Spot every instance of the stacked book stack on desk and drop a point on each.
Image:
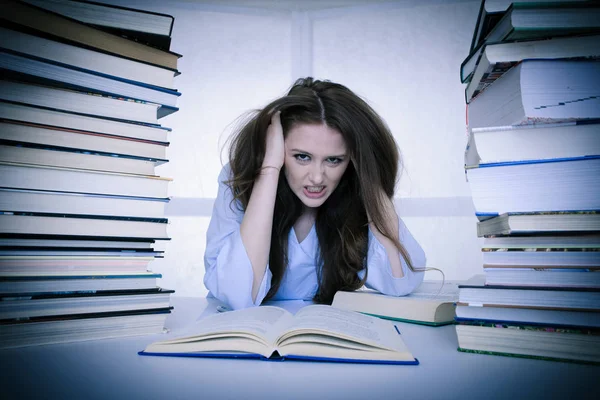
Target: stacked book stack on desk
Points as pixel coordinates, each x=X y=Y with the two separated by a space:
x=533 y=165
x=83 y=87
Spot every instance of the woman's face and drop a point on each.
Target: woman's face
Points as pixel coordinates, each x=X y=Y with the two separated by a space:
x=315 y=161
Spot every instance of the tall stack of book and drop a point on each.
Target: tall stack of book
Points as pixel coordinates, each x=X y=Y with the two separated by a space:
x=82 y=88
x=533 y=165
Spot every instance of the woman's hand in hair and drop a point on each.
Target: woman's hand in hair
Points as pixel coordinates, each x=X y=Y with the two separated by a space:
x=275 y=148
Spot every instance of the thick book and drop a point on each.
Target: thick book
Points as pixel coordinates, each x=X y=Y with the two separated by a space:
x=490 y=13
x=38 y=70
x=572 y=344
x=432 y=303
x=517 y=315
x=543 y=277
x=35 y=136
x=536 y=223
x=27 y=43
x=82 y=327
x=549 y=258
x=79 y=102
x=84 y=35
x=21 y=224
x=54 y=202
x=150 y=28
x=533 y=142
x=536 y=186
x=491 y=61
x=476 y=294
x=538 y=20
x=315 y=333
x=27 y=153
x=73 y=265
x=52 y=119
x=35 y=305
x=533 y=242
x=110 y=244
x=570 y=93
x=76 y=283
x=38 y=177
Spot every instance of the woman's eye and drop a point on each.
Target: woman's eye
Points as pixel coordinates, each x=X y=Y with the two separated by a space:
x=334 y=160
x=302 y=157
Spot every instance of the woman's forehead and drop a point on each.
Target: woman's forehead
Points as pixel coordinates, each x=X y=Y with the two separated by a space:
x=315 y=138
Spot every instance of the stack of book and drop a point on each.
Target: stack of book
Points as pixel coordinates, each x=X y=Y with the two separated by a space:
x=533 y=165
x=82 y=88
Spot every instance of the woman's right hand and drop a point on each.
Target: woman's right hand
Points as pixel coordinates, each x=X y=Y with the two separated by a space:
x=275 y=148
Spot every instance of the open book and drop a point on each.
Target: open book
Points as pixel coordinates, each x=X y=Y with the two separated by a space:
x=432 y=303
x=316 y=332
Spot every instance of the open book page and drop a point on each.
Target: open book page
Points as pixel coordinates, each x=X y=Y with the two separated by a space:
x=324 y=331
x=251 y=330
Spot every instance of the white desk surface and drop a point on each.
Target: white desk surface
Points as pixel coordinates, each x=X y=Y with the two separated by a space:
x=112 y=369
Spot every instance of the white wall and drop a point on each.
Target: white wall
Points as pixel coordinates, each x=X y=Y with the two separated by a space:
x=403 y=57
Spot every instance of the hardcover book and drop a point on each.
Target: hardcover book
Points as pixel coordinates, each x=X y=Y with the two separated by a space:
x=432 y=303
x=573 y=344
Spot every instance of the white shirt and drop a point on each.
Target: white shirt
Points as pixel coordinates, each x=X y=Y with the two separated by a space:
x=229 y=272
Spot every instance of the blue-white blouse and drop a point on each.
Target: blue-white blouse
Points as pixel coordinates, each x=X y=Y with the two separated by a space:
x=229 y=273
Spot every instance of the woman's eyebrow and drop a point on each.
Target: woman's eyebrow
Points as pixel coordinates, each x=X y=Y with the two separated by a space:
x=295 y=150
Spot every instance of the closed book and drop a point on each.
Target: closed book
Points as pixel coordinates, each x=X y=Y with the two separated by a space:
x=315 y=333
x=37 y=177
x=540 y=19
x=571 y=344
x=31 y=305
x=589 y=319
x=589 y=241
x=34 y=69
x=15 y=266
x=570 y=94
x=55 y=202
x=70 y=283
x=82 y=142
x=581 y=258
x=432 y=303
x=78 y=102
x=15 y=152
x=151 y=28
x=87 y=59
x=80 y=226
x=84 y=35
x=477 y=294
x=540 y=185
x=543 y=277
x=534 y=142
x=491 y=12
x=113 y=244
x=536 y=223
x=492 y=60
x=82 y=327
x=55 y=119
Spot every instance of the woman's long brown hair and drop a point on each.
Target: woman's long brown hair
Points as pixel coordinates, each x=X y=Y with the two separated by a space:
x=341 y=222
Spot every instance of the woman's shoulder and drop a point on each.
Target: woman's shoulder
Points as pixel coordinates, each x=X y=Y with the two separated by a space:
x=225 y=173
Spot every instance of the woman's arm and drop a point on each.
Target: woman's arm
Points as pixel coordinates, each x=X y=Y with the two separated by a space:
x=229 y=275
x=391 y=220
x=258 y=220
x=388 y=272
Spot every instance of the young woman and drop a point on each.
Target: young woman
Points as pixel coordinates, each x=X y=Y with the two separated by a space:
x=305 y=204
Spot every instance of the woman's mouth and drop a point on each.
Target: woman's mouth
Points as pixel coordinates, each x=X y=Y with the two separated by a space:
x=314 y=192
